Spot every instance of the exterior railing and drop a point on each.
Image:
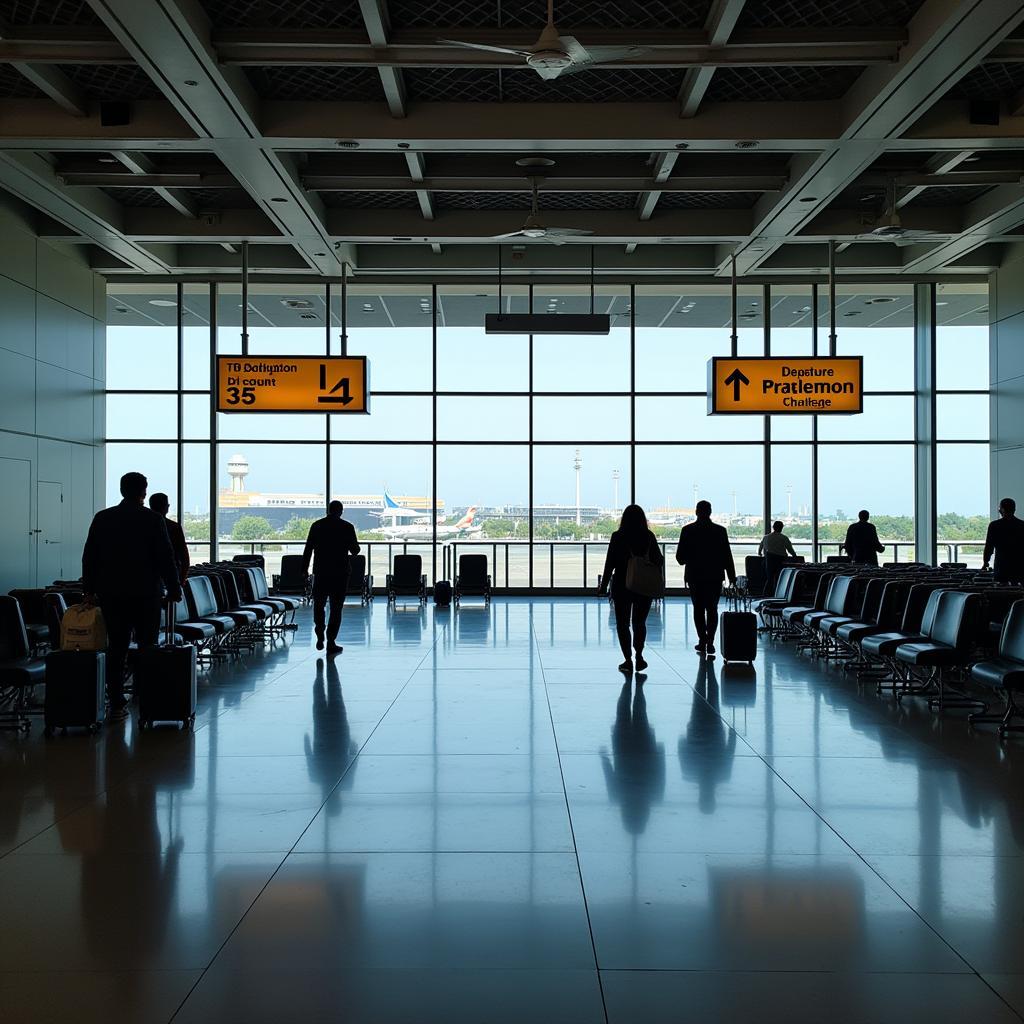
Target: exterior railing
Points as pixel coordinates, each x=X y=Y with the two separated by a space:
x=557 y=565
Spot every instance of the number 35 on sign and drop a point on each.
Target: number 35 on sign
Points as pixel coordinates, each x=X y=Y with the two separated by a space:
x=293 y=384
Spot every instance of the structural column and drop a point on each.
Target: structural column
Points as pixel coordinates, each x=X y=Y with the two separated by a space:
x=924 y=424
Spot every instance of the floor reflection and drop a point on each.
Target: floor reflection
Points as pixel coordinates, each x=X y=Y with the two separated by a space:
x=332 y=749
x=635 y=773
x=707 y=748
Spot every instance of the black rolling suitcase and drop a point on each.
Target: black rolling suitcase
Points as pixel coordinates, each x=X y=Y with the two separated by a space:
x=75 y=690
x=442 y=593
x=165 y=681
x=738 y=631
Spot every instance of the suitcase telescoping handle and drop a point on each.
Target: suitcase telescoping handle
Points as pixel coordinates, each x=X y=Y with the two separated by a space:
x=169 y=635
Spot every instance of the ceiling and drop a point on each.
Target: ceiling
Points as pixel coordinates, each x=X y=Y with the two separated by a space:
x=322 y=133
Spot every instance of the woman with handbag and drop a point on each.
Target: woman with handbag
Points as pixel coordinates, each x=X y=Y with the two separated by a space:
x=634 y=568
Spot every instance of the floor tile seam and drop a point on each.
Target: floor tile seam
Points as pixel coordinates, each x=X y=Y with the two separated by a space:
x=572 y=830
x=263 y=888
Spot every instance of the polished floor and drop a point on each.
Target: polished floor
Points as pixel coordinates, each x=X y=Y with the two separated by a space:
x=467 y=817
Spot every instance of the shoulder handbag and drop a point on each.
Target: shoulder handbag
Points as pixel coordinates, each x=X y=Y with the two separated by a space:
x=645 y=576
x=82 y=629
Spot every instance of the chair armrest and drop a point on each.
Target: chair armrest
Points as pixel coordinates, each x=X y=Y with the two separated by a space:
x=388 y=579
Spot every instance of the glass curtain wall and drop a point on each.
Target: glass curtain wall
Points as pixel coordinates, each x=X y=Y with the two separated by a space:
x=527 y=448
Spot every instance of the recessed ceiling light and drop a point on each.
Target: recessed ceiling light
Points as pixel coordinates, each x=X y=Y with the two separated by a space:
x=162 y=302
x=120 y=309
x=941 y=303
x=403 y=145
x=319 y=254
x=855 y=312
x=191 y=81
x=747 y=144
x=402 y=238
x=682 y=145
x=278 y=199
x=808 y=199
x=535 y=161
x=347 y=144
x=883 y=298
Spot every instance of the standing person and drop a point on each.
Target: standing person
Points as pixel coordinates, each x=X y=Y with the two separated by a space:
x=862 y=543
x=704 y=551
x=774 y=548
x=1005 y=539
x=331 y=540
x=161 y=505
x=126 y=565
x=633 y=537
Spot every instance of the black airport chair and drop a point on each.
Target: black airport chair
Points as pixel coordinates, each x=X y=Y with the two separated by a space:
x=33 y=612
x=19 y=671
x=56 y=606
x=407 y=579
x=359 y=583
x=292 y=581
x=1005 y=672
x=472 y=579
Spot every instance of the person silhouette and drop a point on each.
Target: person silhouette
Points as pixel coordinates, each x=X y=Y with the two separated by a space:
x=161 y=505
x=1005 y=540
x=329 y=543
x=775 y=548
x=707 y=750
x=127 y=564
x=862 y=543
x=635 y=773
x=633 y=537
x=705 y=553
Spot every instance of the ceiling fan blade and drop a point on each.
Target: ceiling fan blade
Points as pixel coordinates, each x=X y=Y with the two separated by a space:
x=567 y=232
x=610 y=54
x=484 y=46
x=509 y=234
x=578 y=53
x=550 y=74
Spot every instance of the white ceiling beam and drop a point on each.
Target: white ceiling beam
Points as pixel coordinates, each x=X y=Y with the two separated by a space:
x=661 y=169
x=378 y=28
x=55 y=84
x=88 y=212
x=417 y=170
x=721 y=21
x=171 y=42
x=946 y=39
x=940 y=164
x=139 y=165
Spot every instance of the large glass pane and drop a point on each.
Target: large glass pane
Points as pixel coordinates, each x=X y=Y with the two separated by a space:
x=876 y=322
x=392 y=328
x=258 y=426
x=157 y=462
x=370 y=480
x=581 y=419
x=196 y=416
x=582 y=362
x=676 y=334
x=487 y=418
x=879 y=478
x=962 y=417
x=262 y=489
x=962 y=337
x=486 y=495
x=195 y=500
x=671 y=479
x=963 y=501
x=196 y=336
x=142 y=337
x=467 y=358
x=791 y=494
x=391 y=418
x=142 y=416
x=885 y=418
x=792 y=320
x=661 y=418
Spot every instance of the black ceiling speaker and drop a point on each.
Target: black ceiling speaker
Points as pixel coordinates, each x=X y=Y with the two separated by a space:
x=115 y=114
x=984 y=112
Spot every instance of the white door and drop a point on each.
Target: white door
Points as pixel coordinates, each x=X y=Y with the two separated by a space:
x=15 y=524
x=50 y=538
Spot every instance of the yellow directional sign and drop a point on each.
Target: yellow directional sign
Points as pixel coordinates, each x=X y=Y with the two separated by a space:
x=779 y=385
x=292 y=384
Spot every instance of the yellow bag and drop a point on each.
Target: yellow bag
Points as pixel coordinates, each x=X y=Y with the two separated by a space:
x=83 y=629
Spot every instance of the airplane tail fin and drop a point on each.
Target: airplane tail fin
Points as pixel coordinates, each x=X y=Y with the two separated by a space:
x=467 y=519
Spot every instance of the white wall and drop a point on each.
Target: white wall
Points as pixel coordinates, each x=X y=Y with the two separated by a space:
x=52 y=348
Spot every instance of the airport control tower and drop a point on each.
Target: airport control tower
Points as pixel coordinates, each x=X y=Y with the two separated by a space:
x=238 y=470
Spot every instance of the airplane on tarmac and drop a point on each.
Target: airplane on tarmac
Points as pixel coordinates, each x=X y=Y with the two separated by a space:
x=464 y=529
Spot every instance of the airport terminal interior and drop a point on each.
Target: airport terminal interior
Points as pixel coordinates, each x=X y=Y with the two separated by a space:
x=491 y=275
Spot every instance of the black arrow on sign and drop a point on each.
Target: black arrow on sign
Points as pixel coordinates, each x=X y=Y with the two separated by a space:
x=737 y=380
x=331 y=398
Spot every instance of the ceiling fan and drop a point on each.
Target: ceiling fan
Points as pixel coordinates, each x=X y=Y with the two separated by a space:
x=535 y=228
x=553 y=55
x=889 y=227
